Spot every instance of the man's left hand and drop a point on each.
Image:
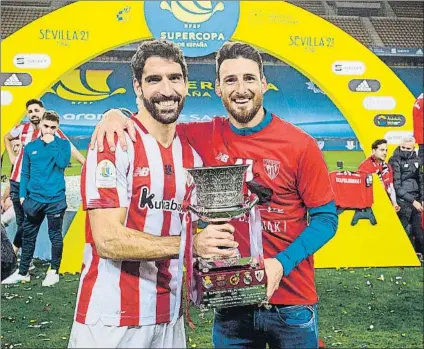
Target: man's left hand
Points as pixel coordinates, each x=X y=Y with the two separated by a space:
x=48 y=138
x=274 y=273
x=397 y=207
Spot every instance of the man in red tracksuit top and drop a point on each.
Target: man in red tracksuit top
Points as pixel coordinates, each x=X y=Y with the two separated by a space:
x=288 y=171
x=376 y=164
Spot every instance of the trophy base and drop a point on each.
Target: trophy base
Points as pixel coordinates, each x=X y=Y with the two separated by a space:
x=229 y=287
x=206 y=265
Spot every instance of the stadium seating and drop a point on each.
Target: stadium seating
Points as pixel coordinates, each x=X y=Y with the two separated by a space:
x=37 y=3
x=399 y=32
x=14 y=18
x=410 y=9
x=312 y=6
x=353 y=26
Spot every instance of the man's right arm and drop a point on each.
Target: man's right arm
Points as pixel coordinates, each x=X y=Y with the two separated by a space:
x=8 y=138
x=115 y=241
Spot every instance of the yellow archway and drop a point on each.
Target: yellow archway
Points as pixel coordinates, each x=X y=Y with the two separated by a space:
x=64 y=39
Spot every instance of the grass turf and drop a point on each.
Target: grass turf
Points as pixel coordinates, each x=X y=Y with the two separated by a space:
x=356 y=310
x=351 y=160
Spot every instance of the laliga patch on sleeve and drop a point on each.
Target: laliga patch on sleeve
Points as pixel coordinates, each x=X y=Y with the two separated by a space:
x=106 y=174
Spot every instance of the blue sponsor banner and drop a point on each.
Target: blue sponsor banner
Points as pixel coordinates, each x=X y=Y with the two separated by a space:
x=84 y=94
x=398 y=51
x=347 y=144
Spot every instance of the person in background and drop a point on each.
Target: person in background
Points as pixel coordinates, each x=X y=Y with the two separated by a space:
x=26 y=132
x=408 y=183
x=376 y=163
x=418 y=117
x=7 y=210
x=42 y=193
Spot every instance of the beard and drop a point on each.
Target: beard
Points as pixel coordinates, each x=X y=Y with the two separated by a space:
x=243 y=114
x=35 y=120
x=164 y=115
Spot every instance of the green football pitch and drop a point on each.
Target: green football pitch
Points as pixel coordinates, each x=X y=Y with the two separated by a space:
x=351 y=160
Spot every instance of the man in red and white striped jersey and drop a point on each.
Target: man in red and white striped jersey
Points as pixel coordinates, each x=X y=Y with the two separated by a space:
x=26 y=132
x=130 y=285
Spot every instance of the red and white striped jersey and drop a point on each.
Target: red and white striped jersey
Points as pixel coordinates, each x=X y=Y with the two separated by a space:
x=26 y=132
x=150 y=181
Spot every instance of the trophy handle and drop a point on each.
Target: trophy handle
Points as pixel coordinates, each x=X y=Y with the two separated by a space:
x=251 y=204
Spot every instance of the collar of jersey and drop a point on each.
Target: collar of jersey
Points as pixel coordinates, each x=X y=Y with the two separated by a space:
x=252 y=130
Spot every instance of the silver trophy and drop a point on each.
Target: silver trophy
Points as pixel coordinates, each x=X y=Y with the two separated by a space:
x=219 y=193
x=225 y=281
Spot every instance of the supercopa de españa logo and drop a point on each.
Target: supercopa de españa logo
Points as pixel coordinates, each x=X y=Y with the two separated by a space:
x=198 y=27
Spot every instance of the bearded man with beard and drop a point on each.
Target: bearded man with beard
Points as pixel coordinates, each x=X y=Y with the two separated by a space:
x=131 y=282
x=288 y=171
x=27 y=132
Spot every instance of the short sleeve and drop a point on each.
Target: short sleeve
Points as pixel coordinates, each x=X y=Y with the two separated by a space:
x=16 y=131
x=313 y=180
x=104 y=178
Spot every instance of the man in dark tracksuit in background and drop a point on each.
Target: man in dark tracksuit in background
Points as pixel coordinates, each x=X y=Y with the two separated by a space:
x=42 y=193
x=408 y=183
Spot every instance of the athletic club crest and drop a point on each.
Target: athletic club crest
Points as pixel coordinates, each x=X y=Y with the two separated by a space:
x=259 y=275
x=272 y=168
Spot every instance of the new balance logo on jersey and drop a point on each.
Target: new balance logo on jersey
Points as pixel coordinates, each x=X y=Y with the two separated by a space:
x=147 y=201
x=168 y=170
x=363 y=87
x=141 y=172
x=222 y=157
x=13 y=80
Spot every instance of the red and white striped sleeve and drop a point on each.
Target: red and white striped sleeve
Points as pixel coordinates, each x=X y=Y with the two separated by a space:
x=191 y=189
x=104 y=182
x=17 y=130
x=60 y=134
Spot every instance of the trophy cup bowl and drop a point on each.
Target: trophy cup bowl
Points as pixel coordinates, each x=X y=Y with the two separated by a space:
x=220 y=193
x=220 y=281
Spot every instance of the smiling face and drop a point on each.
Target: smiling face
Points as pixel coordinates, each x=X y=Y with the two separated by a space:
x=162 y=89
x=35 y=113
x=241 y=88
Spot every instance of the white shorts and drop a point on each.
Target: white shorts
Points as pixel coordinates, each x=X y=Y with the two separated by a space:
x=153 y=336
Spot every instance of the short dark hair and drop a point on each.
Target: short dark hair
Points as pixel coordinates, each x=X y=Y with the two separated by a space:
x=50 y=115
x=157 y=48
x=377 y=143
x=34 y=101
x=233 y=50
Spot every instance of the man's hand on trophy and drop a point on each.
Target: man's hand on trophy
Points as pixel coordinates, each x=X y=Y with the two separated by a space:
x=114 y=121
x=206 y=243
x=274 y=273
